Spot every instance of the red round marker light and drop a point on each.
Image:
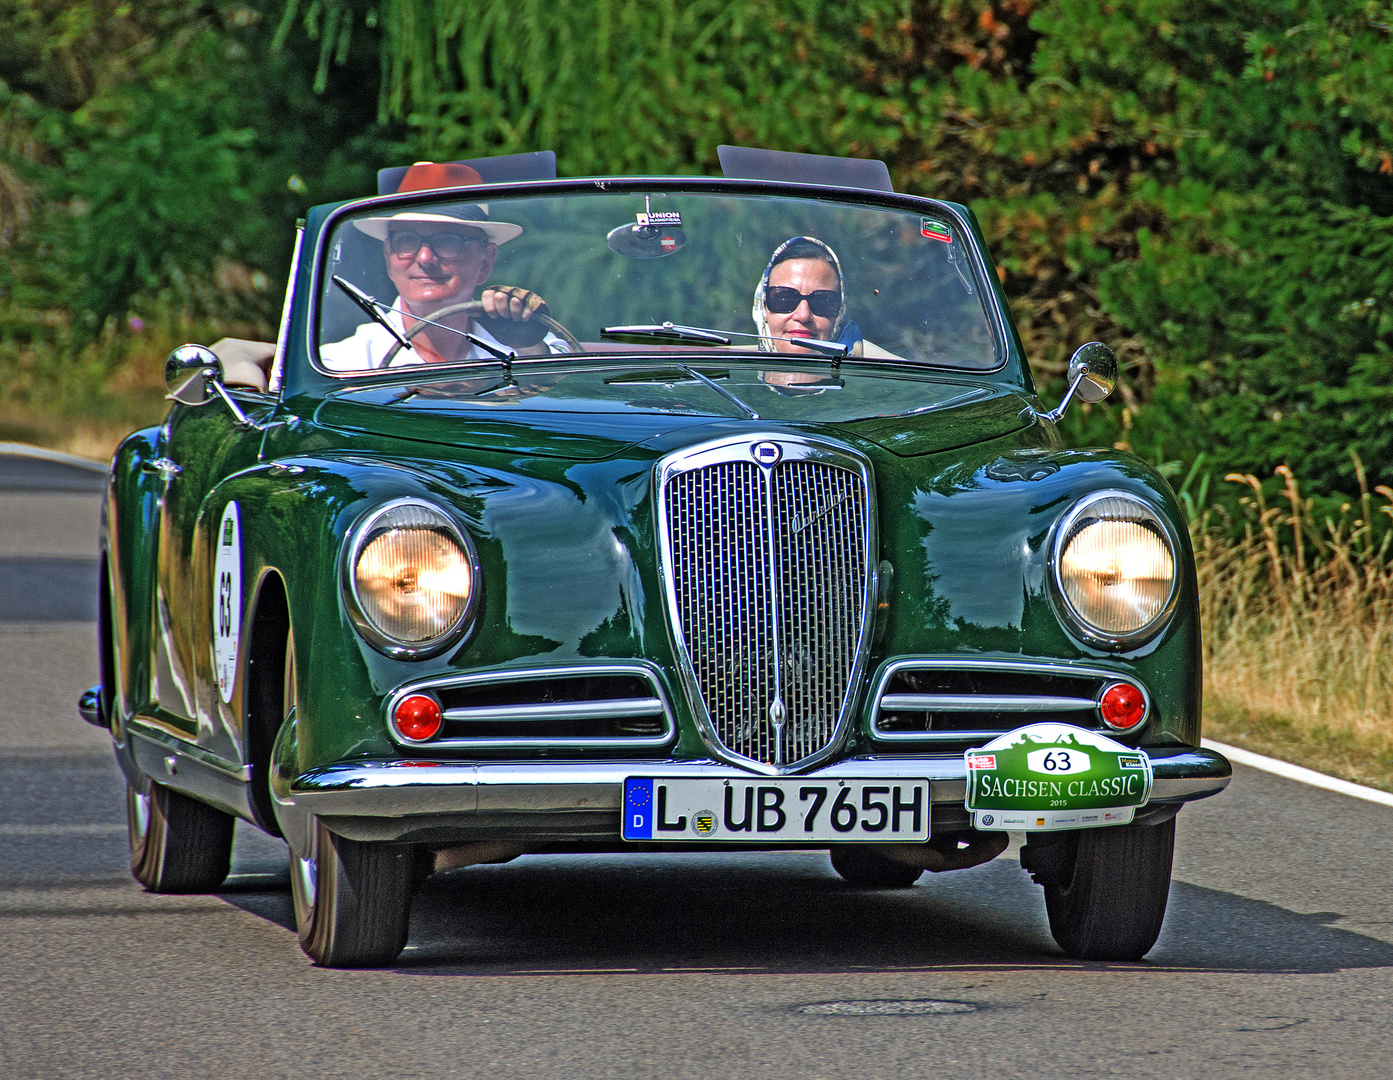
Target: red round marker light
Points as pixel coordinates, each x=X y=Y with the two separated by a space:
x=418 y=717
x=1122 y=706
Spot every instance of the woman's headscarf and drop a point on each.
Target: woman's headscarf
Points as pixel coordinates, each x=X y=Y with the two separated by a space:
x=843 y=329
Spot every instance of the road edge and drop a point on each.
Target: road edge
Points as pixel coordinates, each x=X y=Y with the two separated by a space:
x=1296 y=772
x=19 y=449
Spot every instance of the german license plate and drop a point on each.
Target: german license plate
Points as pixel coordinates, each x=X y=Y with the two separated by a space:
x=769 y=809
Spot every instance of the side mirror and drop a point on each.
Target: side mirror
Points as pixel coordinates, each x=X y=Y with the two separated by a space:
x=1092 y=376
x=192 y=374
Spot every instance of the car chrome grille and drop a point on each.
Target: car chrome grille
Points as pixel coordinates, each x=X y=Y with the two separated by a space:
x=959 y=702
x=768 y=573
x=603 y=707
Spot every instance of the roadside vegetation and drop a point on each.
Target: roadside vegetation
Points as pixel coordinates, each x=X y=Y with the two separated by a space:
x=1298 y=614
x=1207 y=186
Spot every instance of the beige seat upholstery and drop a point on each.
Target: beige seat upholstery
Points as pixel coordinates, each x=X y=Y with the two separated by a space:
x=245 y=364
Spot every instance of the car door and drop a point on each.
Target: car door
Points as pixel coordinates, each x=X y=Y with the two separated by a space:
x=199 y=447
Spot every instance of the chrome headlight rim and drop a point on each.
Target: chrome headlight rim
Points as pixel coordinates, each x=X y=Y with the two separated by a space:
x=1070 y=616
x=357 y=538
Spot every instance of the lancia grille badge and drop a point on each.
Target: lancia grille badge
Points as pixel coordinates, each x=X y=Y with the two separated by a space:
x=766 y=453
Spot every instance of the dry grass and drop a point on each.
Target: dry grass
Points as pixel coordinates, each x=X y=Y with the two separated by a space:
x=1297 y=618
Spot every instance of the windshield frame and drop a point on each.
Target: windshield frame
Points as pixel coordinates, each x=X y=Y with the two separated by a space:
x=1004 y=339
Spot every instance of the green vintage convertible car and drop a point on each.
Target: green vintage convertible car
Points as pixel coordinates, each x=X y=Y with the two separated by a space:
x=645 y=514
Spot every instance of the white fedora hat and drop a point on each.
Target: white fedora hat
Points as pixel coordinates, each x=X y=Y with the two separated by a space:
x=430 y=176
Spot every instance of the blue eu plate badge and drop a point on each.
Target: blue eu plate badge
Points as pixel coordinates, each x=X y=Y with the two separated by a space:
x=638 y=808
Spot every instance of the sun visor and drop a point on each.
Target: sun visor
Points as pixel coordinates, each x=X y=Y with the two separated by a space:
x=506 y=169
x=749 y=163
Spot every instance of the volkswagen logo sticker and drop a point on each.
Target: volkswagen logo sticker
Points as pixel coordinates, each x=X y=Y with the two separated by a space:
x=766 y=453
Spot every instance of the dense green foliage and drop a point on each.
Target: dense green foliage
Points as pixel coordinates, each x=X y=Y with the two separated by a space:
x=153 y=158
x=1207 y=186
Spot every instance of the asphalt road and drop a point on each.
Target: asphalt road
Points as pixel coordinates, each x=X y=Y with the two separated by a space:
x=1276 y=958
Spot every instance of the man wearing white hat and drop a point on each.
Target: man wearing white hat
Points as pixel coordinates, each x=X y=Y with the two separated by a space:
x=436 y=257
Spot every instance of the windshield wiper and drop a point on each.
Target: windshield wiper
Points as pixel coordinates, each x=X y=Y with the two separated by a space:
x=370 y=305
x=694 y=373
x=696 y=335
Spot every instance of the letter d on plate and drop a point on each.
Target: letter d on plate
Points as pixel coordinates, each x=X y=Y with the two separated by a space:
x=638 y=808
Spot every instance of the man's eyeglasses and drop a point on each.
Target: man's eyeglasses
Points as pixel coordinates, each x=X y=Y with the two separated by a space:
x=782 y=300
x=444 y=245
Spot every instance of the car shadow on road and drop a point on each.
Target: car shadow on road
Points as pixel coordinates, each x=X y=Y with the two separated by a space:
x=788 y=912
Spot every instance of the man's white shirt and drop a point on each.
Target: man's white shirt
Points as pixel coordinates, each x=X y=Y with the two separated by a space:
x=371 y=342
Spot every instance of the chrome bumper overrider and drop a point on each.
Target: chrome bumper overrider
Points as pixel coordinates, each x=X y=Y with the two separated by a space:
x=436 y=800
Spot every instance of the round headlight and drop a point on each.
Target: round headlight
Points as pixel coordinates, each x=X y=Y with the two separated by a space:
x=1115 y=568
x=411 y=579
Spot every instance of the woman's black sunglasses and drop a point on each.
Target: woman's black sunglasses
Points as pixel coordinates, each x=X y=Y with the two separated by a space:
x=782 y=300
x=445 y=245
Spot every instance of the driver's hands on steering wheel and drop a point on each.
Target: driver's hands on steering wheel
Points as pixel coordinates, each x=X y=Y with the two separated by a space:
x=508 y=311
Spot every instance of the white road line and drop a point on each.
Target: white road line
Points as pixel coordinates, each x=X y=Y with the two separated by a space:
x=104 y=828
x=1296 y=772
x=25 y=450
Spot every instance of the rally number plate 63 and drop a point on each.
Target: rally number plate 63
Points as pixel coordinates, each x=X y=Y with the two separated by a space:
x=781 y=810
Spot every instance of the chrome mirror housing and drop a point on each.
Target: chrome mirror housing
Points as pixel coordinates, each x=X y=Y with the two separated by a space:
x=192 y=374
x=1096 y=365
x=1092 y=376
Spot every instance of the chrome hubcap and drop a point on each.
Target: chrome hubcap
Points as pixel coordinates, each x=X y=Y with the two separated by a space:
x=138 y=816
x=304 y=876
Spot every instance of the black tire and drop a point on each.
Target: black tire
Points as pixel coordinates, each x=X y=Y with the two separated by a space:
x=178 y=844
x=869 y=869
x=1111 y=906
x=352 y=899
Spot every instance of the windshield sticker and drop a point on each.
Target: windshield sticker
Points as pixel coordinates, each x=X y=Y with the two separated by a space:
x=227 y=600
x=660 y=219
x=936 y=230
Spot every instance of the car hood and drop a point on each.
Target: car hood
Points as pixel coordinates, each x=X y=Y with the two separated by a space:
x=592 y=414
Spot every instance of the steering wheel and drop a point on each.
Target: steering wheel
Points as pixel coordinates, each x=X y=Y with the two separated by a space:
x=475 y=310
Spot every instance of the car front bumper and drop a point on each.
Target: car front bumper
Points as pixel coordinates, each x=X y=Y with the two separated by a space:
x=579 y=802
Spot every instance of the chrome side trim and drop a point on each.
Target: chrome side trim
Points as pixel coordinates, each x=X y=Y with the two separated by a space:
x=563 y=710
x=885 y=702
x=985 y=703
x=654 y=705
x=170 y=744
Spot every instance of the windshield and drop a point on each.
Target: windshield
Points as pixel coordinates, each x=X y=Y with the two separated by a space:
x=452 y=281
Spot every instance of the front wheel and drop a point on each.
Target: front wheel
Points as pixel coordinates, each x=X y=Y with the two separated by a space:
x=178 y=844
x=1111 y=905
x=352 y=899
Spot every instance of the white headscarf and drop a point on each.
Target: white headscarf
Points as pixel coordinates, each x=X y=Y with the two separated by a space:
x=761 y=317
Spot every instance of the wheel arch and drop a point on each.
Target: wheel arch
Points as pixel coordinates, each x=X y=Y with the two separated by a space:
x=263 y=707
